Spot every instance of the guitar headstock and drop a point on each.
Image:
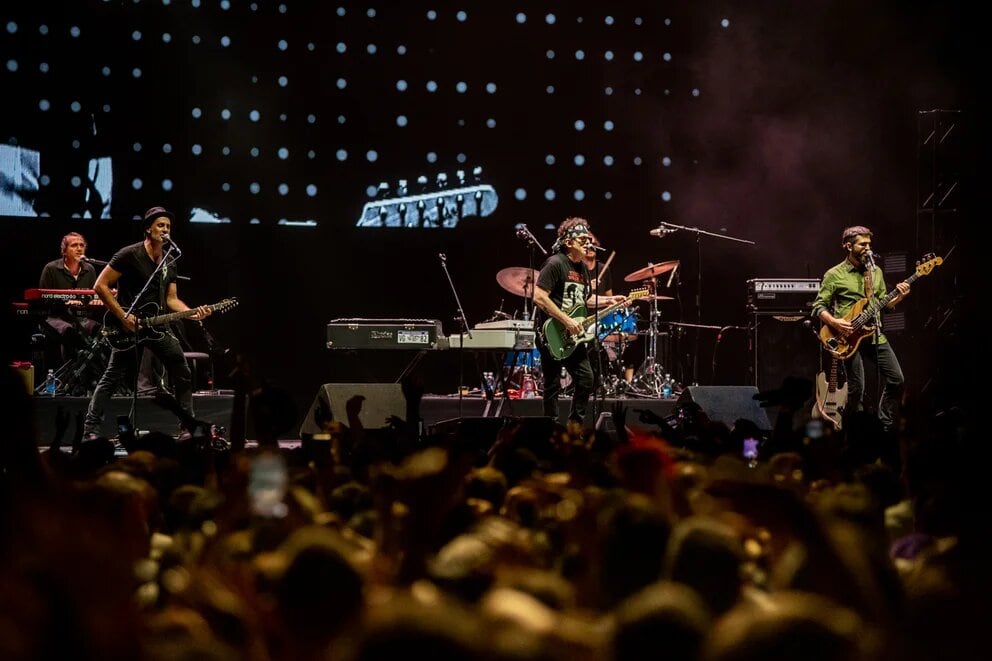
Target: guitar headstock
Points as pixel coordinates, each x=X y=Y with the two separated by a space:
x=638 y=293
x=442 y=207
x=225 y=305
x=928 y=263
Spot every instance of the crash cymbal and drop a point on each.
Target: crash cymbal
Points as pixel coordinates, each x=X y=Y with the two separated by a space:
x=651 y=271
x=518 y=280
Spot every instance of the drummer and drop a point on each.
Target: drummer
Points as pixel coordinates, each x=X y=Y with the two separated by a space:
x=602 y=285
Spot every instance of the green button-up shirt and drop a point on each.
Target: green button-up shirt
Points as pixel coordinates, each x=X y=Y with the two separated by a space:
x=843 y=286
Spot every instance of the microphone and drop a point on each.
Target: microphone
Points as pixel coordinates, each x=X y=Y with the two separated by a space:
x=592 y=246
x=868 y=257
x=662 y=231
x=167 y=241
x=94 y=262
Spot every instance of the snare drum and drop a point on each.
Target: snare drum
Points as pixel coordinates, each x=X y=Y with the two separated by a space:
x=620 y=325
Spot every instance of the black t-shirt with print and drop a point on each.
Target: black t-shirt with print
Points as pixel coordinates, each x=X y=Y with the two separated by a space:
x=566 y=282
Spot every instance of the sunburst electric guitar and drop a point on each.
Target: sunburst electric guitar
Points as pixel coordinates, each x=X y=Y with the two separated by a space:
x=863 y=313
x=561 y=344
x=148 y=321
x=830 y=400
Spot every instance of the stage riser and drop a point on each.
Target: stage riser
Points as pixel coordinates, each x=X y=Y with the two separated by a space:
x=148 y=416
x=435 y=409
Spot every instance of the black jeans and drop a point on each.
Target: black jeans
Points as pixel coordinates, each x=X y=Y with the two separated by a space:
x=578 y=367
x=882 y=358
x=122 y=364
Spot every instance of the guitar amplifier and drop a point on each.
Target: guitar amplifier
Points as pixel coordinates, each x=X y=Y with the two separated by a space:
x=782 y=295
x=383 y=333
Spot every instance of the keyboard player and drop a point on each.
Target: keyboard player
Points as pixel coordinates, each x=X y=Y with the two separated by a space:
x=70 y=271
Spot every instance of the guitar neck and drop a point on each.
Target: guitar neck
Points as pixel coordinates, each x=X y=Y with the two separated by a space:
x=167 y=318
x=875 y=305
x=832 y=383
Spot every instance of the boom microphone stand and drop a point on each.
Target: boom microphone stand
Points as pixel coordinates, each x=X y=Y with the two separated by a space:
x=462 y=329
x=667 y=228
x=532 y=242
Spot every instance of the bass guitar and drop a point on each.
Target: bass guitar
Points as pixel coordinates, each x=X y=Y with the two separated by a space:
x=561 y=343
x=830 y=400
x=120 y=338
x=863 y=314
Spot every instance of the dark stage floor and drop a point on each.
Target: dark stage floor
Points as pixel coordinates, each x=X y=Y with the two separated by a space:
x=212 y=407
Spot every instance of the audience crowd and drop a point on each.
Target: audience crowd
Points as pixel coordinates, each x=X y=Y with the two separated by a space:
x=654 y=539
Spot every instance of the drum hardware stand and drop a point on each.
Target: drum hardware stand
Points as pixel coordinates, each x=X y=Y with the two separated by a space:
x=649 y=378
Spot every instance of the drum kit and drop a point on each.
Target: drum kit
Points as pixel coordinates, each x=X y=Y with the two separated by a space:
x=617 y=331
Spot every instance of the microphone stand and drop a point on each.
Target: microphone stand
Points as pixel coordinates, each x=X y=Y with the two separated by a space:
x=525 y=234
x=699 y=281
x=462 y=329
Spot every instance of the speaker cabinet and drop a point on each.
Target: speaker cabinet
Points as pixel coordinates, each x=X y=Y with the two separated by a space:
x=727 y=404
x=382 y=400
x=782 y=346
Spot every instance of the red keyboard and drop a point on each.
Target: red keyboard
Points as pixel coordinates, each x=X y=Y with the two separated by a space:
x=59 y=294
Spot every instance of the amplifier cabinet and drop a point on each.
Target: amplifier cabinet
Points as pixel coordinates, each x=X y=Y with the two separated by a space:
x=781 y=295
x=383 y=333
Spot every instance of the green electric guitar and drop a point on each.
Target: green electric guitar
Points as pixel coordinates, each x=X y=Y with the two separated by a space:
x=561 y=344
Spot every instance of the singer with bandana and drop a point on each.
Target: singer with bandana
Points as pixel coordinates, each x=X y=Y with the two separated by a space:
x=152 y=262
x=843 y=285
x=562 y=285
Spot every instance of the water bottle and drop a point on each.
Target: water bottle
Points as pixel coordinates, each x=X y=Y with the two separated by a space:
x=666 y=387
x=528 y=387
x=51 y=383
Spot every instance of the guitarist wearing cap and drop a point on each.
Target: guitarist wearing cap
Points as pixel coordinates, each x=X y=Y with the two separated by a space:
x=562 y=286
x=147 y=270
x=846 y=290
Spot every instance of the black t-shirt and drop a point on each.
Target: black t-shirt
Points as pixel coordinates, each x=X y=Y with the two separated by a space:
x=566 y=282
x=135 y=267
x=56 y=276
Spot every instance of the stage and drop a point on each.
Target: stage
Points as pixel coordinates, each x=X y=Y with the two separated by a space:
x=438 y=408
x=211 y=407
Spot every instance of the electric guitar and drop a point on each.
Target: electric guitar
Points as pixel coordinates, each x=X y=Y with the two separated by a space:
x=120 y=338
x=830 y=400
x=561 y=343
x=863 y=314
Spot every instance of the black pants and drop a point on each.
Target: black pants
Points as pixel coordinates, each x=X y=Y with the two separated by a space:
x=578 y=367
x=123 y=365
x=882 y=358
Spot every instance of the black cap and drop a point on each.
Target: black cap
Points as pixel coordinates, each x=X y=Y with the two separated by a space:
x=156 y=212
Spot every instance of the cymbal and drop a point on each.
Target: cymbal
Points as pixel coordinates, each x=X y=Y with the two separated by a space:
x=518 y=280
x=651 y=271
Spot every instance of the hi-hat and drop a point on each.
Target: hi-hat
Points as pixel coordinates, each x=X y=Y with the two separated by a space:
x=518 y=280
x=651 y=271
